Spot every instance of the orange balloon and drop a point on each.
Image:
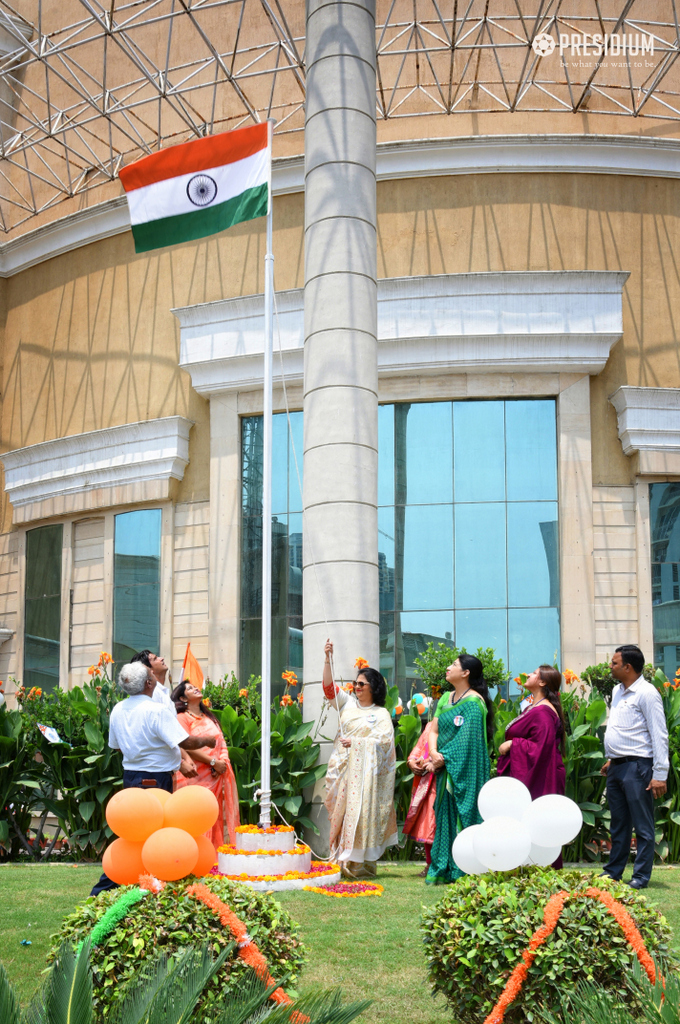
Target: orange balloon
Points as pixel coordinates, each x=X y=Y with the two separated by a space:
x=162 y=795
x=207 y=857
x=122 y=861
x=170 y=853
x=193 y=808
x=134 y=814
x=421 y=708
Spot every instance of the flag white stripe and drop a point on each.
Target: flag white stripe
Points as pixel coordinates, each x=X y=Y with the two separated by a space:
x=168 y=198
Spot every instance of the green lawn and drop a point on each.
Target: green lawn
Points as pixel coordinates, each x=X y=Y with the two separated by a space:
x=370 y=947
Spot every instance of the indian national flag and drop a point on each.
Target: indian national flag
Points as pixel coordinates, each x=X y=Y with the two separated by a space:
x=198 y=188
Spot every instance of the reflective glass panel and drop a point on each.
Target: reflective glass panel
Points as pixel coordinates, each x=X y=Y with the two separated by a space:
x=286 y=603
x=480 y=555
x=531 y=450
x=136 y=583
x=533 y=554
x=483 y=627
x=423 y=431
x=664 y=506
x=533 y=638
x=479 y=451
x=42 y=626
x=427 y=562
x=386 y=557
x=386 y=455
x=410 y=634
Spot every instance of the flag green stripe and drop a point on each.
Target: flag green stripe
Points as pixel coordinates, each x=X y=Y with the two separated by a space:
x=155 y=234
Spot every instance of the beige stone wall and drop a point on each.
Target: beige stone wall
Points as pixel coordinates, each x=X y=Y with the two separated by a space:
x=615 y=558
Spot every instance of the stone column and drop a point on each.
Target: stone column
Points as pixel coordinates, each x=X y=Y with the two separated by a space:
x=341 y=375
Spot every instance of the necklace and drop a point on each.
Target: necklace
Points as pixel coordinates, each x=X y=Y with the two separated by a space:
x=194 y=715
x=461 y=697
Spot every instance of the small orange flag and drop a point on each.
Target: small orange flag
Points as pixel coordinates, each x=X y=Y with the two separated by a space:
x=191 y=670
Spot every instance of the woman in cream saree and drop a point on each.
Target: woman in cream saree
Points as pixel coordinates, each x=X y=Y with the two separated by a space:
x=360 y=776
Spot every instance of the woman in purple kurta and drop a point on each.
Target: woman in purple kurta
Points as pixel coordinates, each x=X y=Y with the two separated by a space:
x=532 y=751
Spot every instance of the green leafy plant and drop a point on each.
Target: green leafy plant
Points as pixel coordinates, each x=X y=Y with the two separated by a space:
x=19 y=785
x=601 y=679
x=79 y=774
x=166 y=991
x=170 y=923
x=230 y=693
x=435 y=660
x=475 y=936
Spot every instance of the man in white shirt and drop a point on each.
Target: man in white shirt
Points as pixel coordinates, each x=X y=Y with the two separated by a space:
x=158 y=666
x=149 y=737
x=636 y=745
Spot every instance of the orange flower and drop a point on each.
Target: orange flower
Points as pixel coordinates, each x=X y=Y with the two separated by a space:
x=243 y=693
x=666 y=684
x=286 y=701
x=570 y=677
x=300 y=698
x=502 y=701
x=105 y=659
x=517 y=679
x=206 y=702
x=91 y=670
x=290 y=677
x=361 y=663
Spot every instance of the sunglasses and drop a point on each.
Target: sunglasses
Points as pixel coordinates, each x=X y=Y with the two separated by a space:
x=360 y=684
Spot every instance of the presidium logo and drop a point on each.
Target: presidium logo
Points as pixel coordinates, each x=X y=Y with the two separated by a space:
x=583 y=44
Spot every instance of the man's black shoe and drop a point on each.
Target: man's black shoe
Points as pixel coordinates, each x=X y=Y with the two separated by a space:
x=636 y=884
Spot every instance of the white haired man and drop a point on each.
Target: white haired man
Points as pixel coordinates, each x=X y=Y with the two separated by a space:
x=149 y=737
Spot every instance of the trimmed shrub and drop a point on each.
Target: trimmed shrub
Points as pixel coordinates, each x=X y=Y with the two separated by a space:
x=475 y=936
x=170 y=923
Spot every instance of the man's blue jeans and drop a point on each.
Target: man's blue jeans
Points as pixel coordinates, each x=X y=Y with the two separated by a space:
x=133 y=780
x=632 y=809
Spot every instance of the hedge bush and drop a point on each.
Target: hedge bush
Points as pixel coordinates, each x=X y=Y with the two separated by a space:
x=475 y=936
x=171 y=922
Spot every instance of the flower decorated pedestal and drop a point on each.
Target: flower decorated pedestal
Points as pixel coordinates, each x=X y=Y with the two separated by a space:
x=271 y=860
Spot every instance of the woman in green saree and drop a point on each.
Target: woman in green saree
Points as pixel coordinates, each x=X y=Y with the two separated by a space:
x=459 y=754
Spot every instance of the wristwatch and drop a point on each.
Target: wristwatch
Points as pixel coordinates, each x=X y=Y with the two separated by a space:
x=213 y=761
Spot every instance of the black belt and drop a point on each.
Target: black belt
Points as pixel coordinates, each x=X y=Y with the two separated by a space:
x=625 y=760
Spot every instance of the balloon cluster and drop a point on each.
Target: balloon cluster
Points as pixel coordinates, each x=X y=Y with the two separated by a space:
x=516 y=831
x=160 y=834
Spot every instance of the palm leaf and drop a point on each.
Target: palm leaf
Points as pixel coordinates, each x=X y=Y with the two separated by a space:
x=240 y=1006
x=135 y=1007
x=182 y=986
x=9 y=1004
x=66 y=997
x=321 y=1008
x=591 y=1004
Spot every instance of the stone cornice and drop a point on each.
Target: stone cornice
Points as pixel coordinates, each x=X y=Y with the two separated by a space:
x=547 y=321
x=576 y=154
x=649 y=427
x=135 y=461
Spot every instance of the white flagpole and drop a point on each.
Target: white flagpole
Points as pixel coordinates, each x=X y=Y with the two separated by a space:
x=265 y=777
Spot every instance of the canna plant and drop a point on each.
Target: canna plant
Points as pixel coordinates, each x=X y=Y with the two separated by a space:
x=19 y=783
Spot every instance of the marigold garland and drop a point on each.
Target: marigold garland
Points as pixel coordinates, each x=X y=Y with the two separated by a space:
x=551 y=915
x=252 y=829
x=247 y=949
x=347 y=890
x=319 y=868
x=299 y=848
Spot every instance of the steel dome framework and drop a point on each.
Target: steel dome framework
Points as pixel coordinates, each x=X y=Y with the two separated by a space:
x=88 y=85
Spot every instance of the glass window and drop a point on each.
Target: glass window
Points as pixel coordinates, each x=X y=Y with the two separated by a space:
x=136 y=583
x=479 y=451
x=664 y=504
x=42 y=626
x=286 y=526
x=427 y=557
x=480 y=556
x=533 y=550
x=531 y=450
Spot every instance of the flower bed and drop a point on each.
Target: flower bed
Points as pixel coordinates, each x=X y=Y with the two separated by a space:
x=347 y=890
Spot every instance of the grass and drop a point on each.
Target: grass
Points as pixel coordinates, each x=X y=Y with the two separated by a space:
x=371 y=947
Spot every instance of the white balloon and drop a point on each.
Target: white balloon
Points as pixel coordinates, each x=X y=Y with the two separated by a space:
x=503 y=797
x=501 y=843
x=553 y=819
x=543 y=855
x=464 y=854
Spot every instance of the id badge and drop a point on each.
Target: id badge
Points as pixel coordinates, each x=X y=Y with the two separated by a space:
x=458 y=720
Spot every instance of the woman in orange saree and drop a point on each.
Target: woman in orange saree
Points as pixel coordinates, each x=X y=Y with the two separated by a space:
x=213 y=765
x=420 y=820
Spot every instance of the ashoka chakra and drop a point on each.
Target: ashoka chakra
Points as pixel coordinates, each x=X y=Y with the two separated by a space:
x=201 y=189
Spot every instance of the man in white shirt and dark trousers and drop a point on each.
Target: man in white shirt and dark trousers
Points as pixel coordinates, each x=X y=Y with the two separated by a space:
x=149 y=737
x=636 y=745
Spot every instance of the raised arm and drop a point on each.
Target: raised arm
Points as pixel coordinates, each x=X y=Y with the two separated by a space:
x=331 y=691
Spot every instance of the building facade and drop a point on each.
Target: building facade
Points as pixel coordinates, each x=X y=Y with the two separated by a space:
x=477 y=429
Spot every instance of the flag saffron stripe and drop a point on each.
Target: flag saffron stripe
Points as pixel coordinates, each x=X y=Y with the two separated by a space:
x=185 y=227
x=192 y=157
